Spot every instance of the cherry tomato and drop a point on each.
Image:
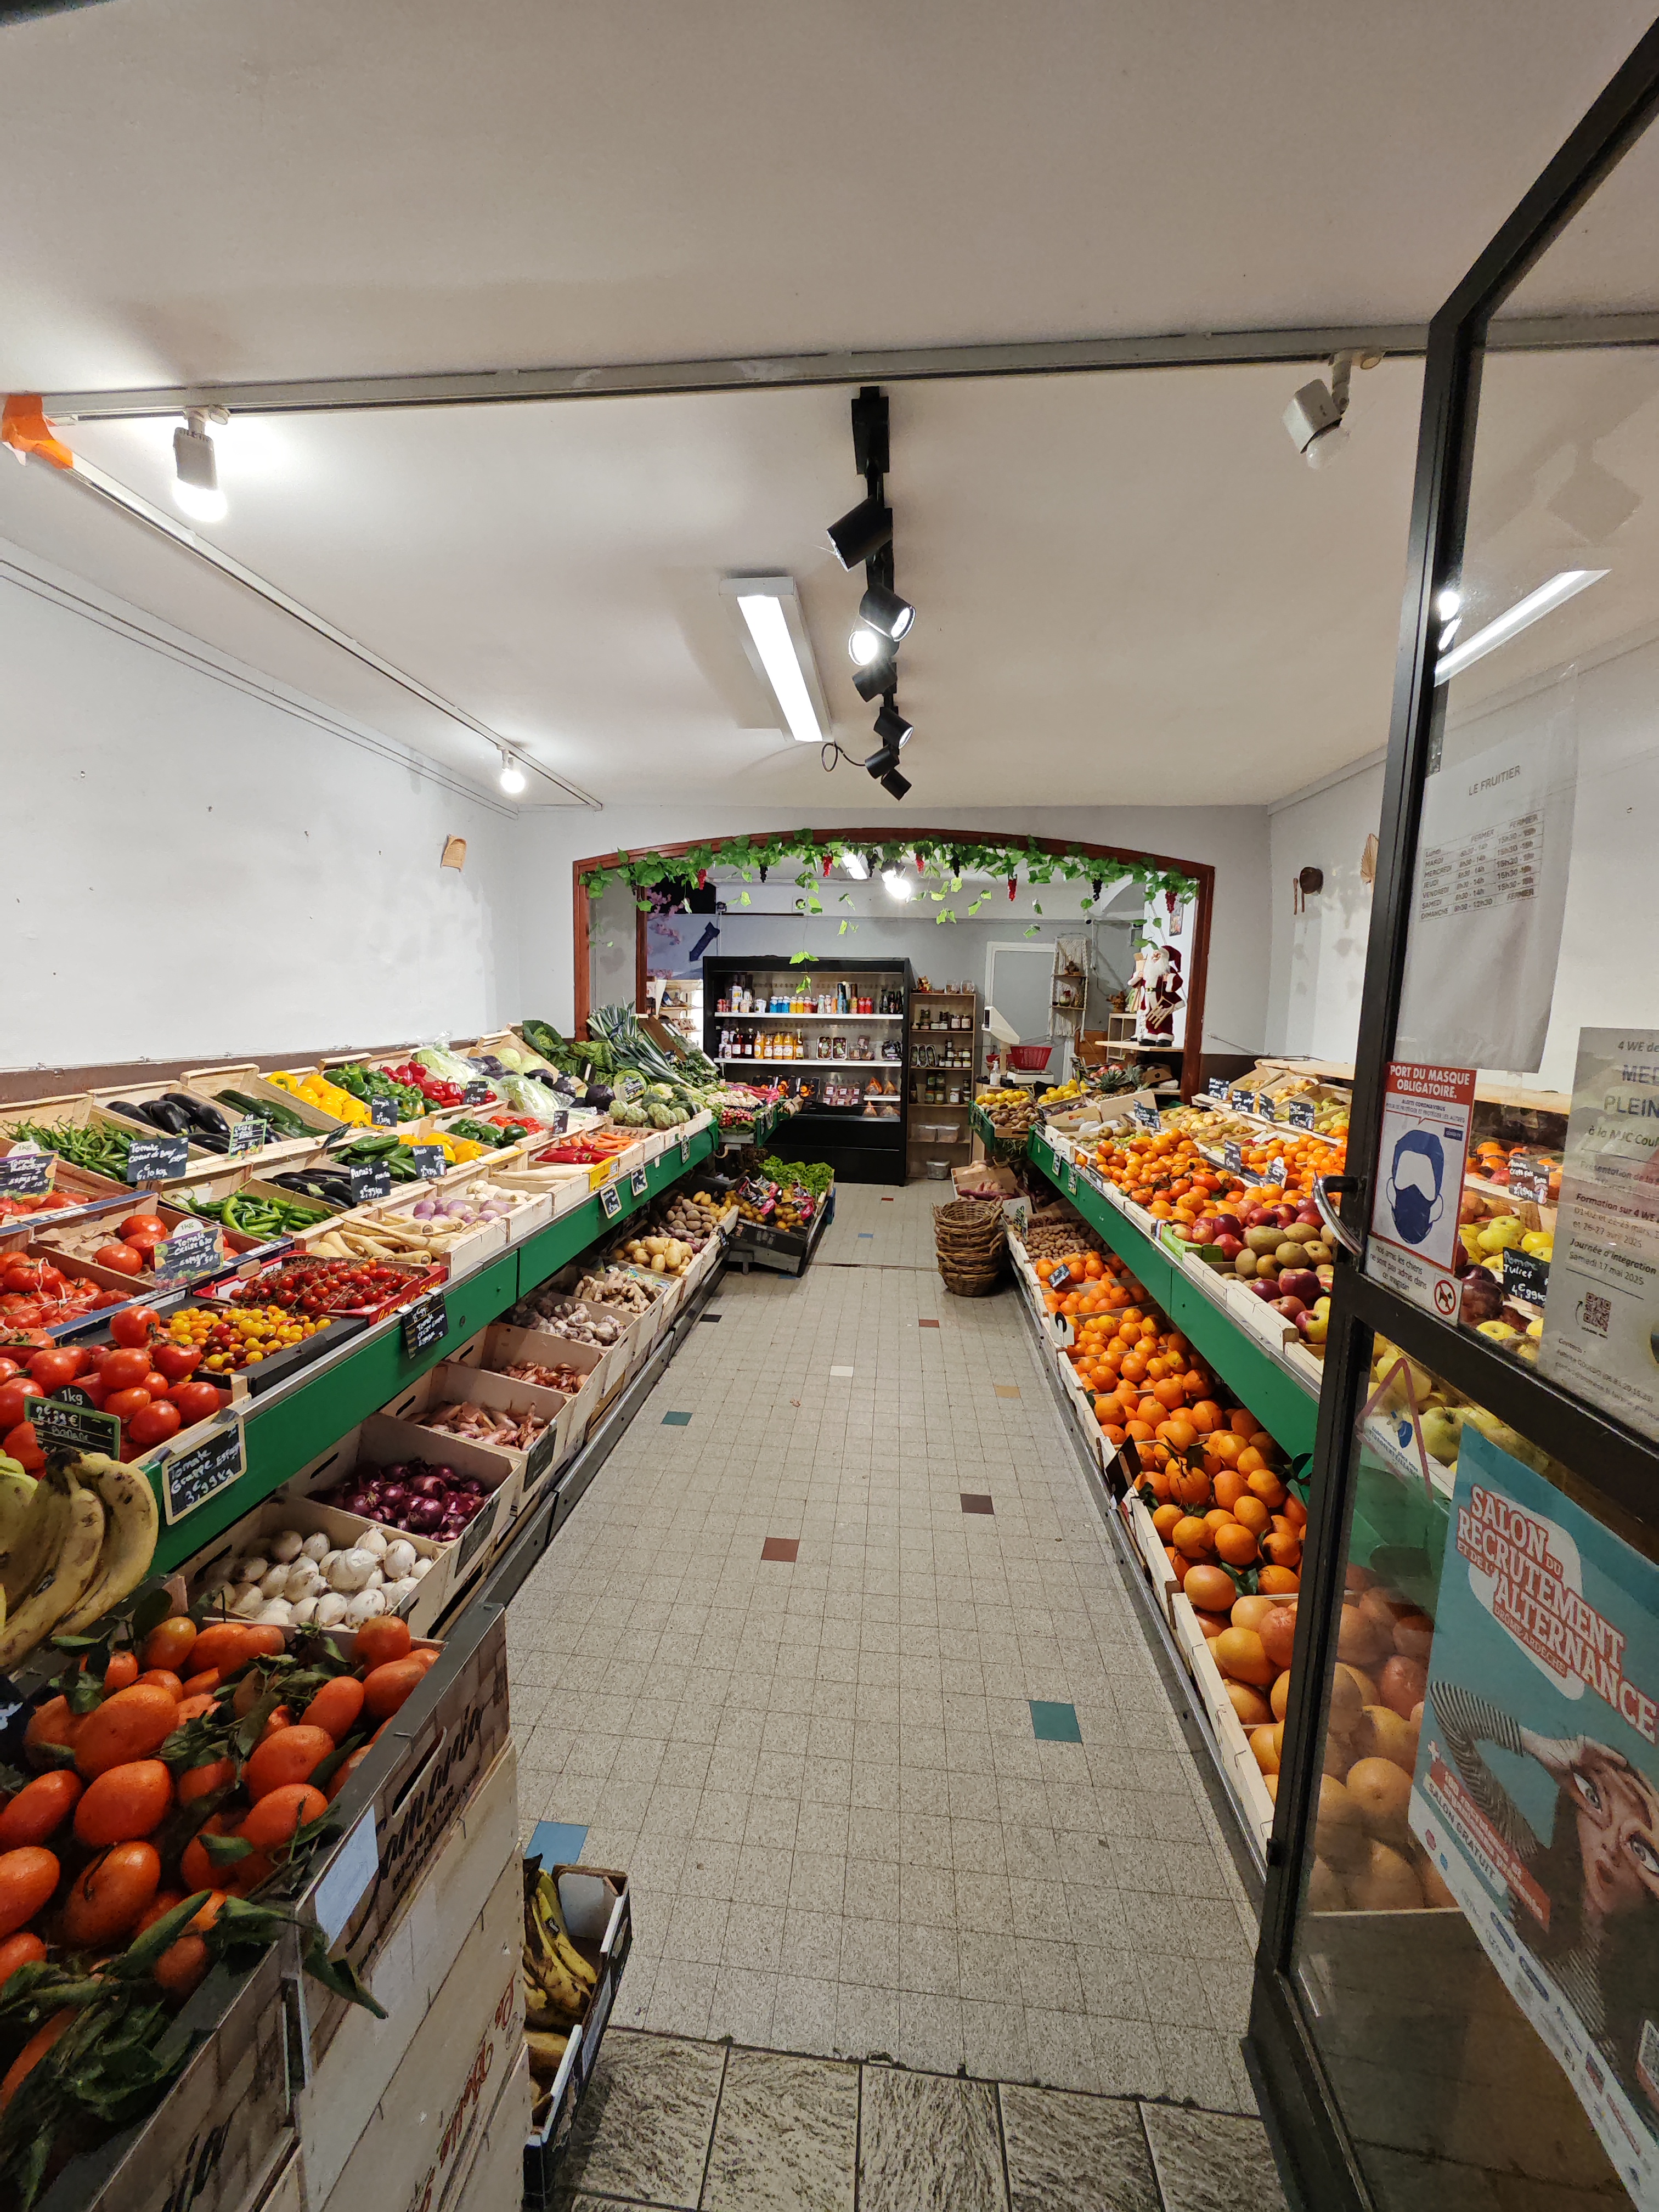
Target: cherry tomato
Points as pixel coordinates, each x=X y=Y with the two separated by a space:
x=133 y=1327
x=154 y=1423
x=14 y=1399
x=124 y=1404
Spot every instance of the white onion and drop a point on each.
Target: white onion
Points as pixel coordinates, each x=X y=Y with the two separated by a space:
x=399 y=1560
x=364 y=1607
x=351 y=1571
x=286 y=1545
x=305 y=1612
x=250 y=1602
x=318 y=1547
x=305 y=1579
x=274 y=1584
x=422 y=1568
x=374 y=1541
x=279 y=1613
x=377 y=1580
x=330 y=1610
x=253 y=1569
x=399 y=1593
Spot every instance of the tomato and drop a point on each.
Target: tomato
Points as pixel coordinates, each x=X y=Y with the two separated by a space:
x=176 y=1360
x=133 y=1327
x=14 y=1400
x=95 y=1389
x=19 y=1444
x=51 y=1370
x=170 y=1644
x=154 y=1425
x=109 y=1898
x=22 y=1274
x=155 y=1382
x=120 y=1259
x=196 y=1401
x=142 y=1224
x=7 y=1369
x=123 y=1370
x=124 y=1404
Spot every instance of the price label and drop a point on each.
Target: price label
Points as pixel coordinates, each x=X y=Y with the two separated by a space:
x=192 y=1249
x=1147 y=1116
x=190 y=1478
x=609 y=1200
x=250 y=1135
x=540 y=1454
x=1299 y=1113
x=425 y=1323
x=1276 y=1172
x=478 y=1093
x=1232 y=1159
x=686 y=1150
x=1525 y=1276
x=1059 y=1279
x=476 y=1530
x=373 y=1180
x=65 y=1424
x=1530 y=1180
x=1217 y=1086
x=638 y=1182
x=428 y=1161
x=23 y=1169
x=157 y=1159
x=383 y=1113
x=1071 y=1179
x=1241 y=1102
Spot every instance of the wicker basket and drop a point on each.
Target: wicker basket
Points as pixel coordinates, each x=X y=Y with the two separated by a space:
x=975 y=1283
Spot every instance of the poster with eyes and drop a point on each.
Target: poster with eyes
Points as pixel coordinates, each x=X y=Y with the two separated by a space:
x=1536 y=1790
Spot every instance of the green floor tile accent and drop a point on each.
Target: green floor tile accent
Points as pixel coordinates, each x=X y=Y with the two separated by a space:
x=677 y=1420
x=1052 y=1723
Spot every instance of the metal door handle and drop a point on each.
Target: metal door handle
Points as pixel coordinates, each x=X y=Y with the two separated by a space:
x=1327 y=1213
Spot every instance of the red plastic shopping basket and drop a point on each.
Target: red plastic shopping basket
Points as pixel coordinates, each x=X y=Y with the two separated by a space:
x=1028 y=1056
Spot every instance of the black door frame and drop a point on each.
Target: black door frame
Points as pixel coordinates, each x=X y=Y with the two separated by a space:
x=1296 y=2096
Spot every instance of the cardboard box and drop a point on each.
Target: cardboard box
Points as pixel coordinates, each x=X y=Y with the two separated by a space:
x=602 y=1931
x=615 y=1360
x=502 y=1345
x=494 y=2179
x=309 y=1517
x=424 y=2129
x=352 y=2056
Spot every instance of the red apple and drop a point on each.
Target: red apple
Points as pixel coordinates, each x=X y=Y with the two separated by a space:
x=1289 y=1307
x=1299 y=1283
x=1229 y=1246
x=1265 y=1286
x=1229 y=1225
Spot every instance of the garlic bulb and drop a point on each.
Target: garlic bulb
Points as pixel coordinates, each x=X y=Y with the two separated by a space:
x=364 y=1607
x=305 y=1612
x=373 y=1540
x=317 y=1546
x=252 y=1569
x=278 y=1612
x=286 y=1544
x=399 y=1560
x=351 y=1571
x=330 y=1610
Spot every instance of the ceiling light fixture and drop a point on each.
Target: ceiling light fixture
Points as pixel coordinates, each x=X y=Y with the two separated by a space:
x=864 y=646
x=1315 y=415
x=1560 y=588
x=899 y=886
x=512 y=776
x=862 y=530
x=195 y=468
x=876 y=680
x=780 y=651
x=856 y=867
x=894 y=784
x=1446 y=601
x=883 y=610
x=891 y=728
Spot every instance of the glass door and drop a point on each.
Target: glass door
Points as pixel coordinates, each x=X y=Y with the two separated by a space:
x=1457 y=1996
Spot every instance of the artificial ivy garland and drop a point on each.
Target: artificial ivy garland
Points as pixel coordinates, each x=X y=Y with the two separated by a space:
x=951 y=858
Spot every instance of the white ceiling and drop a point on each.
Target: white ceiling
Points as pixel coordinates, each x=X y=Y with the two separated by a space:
x=1129 y=587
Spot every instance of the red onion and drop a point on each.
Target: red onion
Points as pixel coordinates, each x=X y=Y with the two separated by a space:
x=423 y=1516
x=393 y=1496
x=427 y=1486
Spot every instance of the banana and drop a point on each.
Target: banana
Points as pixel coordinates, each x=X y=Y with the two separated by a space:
x=548 y=1979
x=129 y=1541
x=555 y=1936
x=16 y=1490
x=72 y=1570
x=38 y=1542
x=546 y=2053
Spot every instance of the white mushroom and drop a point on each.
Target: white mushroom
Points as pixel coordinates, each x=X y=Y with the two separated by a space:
x=330 y=1610
x=399 y=1560
x=351 y=1571
x=317 y=1546
x=286 y=1544
x=364 y=1607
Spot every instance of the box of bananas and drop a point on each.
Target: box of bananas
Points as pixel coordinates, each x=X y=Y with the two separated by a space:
x=74 y=1540
x=577 y=1930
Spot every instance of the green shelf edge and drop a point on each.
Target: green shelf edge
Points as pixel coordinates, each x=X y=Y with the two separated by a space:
x=1276 y=1399
x=290 y=1433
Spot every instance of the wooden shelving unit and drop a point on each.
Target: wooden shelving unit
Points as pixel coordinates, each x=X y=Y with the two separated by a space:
x=938 y=1007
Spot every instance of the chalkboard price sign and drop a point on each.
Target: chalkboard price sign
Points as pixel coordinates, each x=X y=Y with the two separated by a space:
x=540 y=1455
x=1529 y=1179
x=638 y=1182
x=192 y=1249
x=190 y=1478
x=1276 y=1172
x=157 y=1159
x=1217 y=1086
x=372 y=1182
x=1525 y=1276
x=479 y=1527
x=383 y=1113
x=1299 y=1113
x=251 y=1135
x=478 y=1093
x=610 y=1200
x=22 y=1170
x=428 y=1161
x=1232 y=1159
x=425 y=1323
x=64 y=1424
x=1241 y=1102
x=1147 y=1116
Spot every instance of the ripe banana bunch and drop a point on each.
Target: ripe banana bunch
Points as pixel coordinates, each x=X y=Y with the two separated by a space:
x=72 y=1544
x=558 y=1981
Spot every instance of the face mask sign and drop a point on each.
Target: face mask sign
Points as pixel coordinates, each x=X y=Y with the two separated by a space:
x=1412 y=1246
x=1414 y=1192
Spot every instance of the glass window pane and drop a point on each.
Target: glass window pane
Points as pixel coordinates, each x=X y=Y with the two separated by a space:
x=1476 y=1949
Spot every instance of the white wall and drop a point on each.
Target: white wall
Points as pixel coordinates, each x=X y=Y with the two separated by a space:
x=192 y=870
x=1318 y=957
x=1233 y=839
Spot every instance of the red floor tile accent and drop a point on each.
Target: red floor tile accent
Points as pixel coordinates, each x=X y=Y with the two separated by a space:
x=927 y=1324
x=781 y=1548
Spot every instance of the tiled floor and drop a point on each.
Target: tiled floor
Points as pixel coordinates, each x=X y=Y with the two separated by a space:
x=825 y=1777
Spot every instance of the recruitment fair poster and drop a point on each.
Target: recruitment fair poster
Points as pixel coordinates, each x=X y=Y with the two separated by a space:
x=1537 y=1785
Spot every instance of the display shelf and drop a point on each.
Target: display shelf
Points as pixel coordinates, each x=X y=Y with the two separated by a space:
x=746 y=1059
x=801 y=1014
x=292 y=1426
x=1286 y=1402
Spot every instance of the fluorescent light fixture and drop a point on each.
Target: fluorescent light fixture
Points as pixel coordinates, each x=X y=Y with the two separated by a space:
x=512 y=776
x=780 y=652
x=856 y=867
x=1559 y=588
x=195 y=471
x=899 y=886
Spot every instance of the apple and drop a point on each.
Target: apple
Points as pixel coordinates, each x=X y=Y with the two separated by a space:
x=1228 y=1245
x=1308 y=1216
x=1290 y=1308
x=1253 y=1217
x=1204 y=1230
x=1283 y=1215
x=1299 y=1283
x=1229 y=1224
x=1265 y=1286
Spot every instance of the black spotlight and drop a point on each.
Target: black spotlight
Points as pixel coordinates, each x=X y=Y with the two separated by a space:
x=870 y=682
x=891 y=728
x=863 y=530
x=894 y=784
x=883 y=610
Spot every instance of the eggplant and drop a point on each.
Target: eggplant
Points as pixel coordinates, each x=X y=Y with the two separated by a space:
x=136 y=1112
x=164 y=1114
x=208 y=1119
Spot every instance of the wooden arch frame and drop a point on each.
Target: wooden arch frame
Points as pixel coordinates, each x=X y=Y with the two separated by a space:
x=1200 y=871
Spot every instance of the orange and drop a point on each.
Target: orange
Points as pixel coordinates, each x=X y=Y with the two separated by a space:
x=1248 y=1512
x=1235 y=1544
x=1278 y=1582
x=1267 y=1487
x=1165 y=1520
x=1190 y=1537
